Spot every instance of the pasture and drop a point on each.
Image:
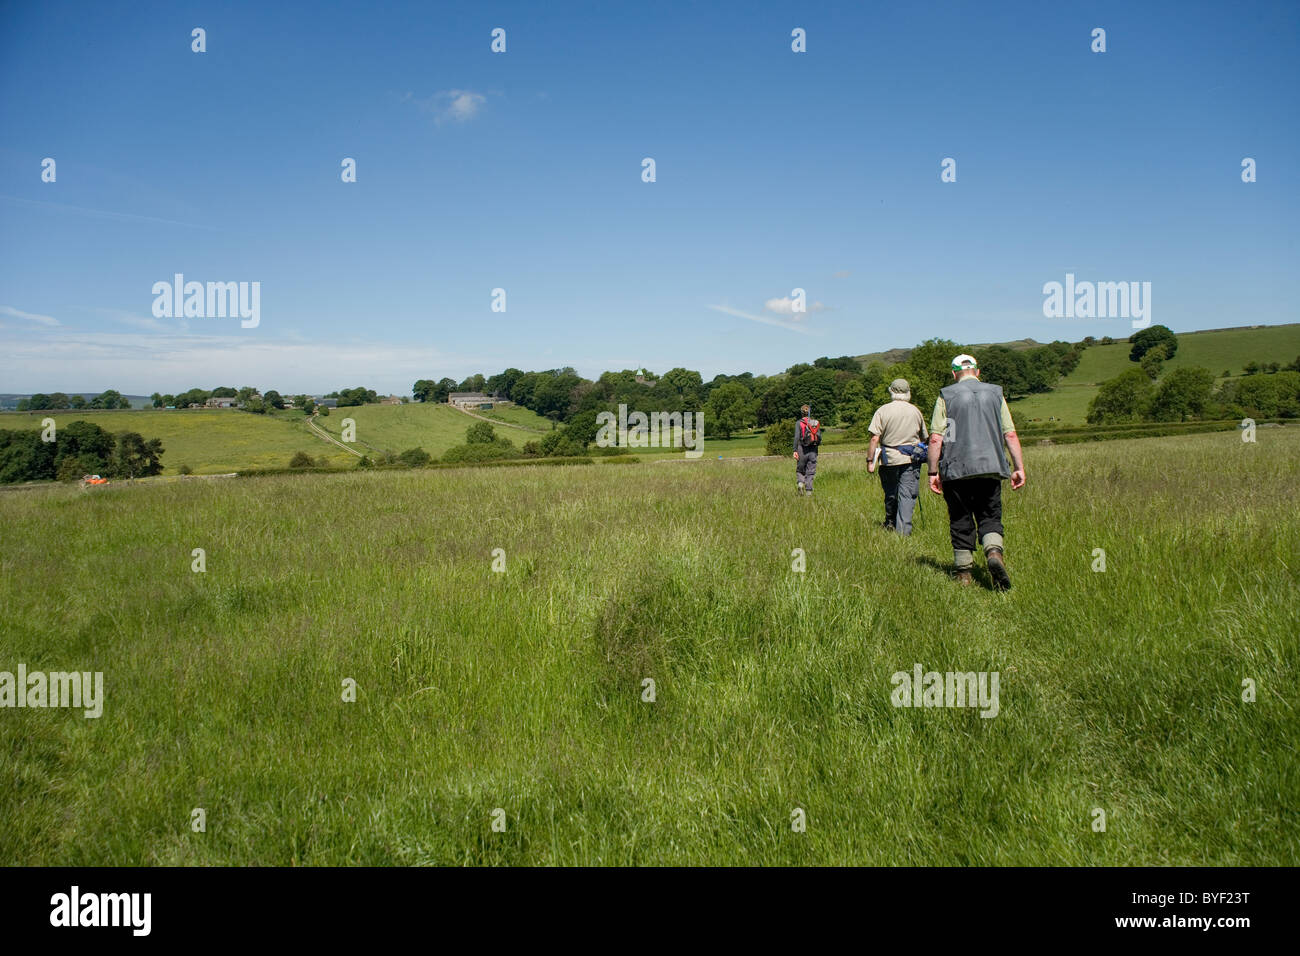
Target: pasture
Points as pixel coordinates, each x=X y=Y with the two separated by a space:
x=524 y=691
x=1226 y=350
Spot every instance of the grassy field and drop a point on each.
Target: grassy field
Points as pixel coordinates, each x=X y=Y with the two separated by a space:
x=435 y=428
x=1227 y=350
x=209 y=441
x=523 y=691
x=518 y=415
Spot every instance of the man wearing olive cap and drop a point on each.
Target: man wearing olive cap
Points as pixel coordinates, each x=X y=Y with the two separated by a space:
x=970 y=425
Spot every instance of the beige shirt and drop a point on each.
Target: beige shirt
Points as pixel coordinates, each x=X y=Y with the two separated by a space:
x=898 y=423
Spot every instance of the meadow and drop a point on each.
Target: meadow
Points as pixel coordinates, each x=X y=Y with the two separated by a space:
x=209 y=441
x=524 y=691
x=1225 y=350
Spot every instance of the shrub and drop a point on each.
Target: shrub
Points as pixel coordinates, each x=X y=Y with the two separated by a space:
x=186 y=470
x=780 y=438
x=479 y=451
x=415 y=457
x=302 y=460
x=480 y=433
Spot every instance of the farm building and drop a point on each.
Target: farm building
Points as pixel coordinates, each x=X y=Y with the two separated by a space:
x=391 y=400
x=473 y=400
x=219 y=403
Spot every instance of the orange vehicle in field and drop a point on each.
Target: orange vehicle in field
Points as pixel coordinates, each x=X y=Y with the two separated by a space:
x=93 y=480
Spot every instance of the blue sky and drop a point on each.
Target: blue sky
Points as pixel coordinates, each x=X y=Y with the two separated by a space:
x=522 y=171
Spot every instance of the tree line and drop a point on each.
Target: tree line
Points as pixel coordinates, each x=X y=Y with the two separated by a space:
x=840 y=390
x=78 y=448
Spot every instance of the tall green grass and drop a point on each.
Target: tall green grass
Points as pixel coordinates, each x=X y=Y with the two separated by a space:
x=522 y=690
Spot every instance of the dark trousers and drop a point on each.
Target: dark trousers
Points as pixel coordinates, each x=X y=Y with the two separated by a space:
x=900 y=483
x=973 y=502
x=806 y=469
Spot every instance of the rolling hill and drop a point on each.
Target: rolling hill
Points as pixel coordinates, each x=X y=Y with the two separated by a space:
x=1224 y=352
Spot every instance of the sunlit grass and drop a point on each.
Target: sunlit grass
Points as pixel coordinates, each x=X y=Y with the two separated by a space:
x=523 y=690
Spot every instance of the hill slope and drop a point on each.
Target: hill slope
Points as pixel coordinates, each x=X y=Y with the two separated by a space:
x=1219 y=350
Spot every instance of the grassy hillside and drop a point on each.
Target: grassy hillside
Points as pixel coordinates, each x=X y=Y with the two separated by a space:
x=209 y=441
x=435 y=428
x=518 y=415
x=524 y=690
x=1219 y=351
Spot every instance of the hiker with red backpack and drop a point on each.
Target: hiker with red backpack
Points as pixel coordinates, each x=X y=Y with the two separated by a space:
x=807 y=436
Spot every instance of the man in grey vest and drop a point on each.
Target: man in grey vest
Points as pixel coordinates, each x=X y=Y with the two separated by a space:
x=968 y=464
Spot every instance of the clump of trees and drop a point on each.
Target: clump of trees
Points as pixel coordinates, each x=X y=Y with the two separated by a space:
x=482 y=443
x=79 y=448
x=56 y=401
x=1156 y=336
x=1189 y=394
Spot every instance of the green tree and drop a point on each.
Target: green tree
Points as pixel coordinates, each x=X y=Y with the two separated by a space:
x=480 y=433
x=1184 y=394
x=729 y=409
x=415 y=457
x=1144 y=341
x=780 y=438
x=1124 y=398
x=134 y=457
x=1153 y=360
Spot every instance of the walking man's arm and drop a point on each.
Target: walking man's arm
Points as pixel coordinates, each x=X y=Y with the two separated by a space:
x=937 y=424
x=871 y=453
x=1013 y=446
x=1017 y=460
x=936 y=447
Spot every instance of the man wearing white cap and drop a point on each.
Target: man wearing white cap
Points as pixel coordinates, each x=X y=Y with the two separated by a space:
x=968 y=464
x=899 y=427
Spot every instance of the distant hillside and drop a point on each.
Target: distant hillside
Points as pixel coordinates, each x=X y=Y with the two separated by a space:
x=891 y=356
x=1224 y=352
x=1211 y=348
x=10 y=399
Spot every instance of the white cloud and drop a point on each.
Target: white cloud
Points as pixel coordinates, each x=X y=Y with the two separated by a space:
x=728 y=310
x=47 y=320
x=145 y=322
x=456 y=106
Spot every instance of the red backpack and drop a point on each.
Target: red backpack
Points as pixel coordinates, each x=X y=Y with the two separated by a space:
x=810 y=432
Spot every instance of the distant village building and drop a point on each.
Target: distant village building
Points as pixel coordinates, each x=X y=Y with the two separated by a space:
x=391 y=400
x=642 y=380
x=327 y=402
x=217 y=403
x=473 y=400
